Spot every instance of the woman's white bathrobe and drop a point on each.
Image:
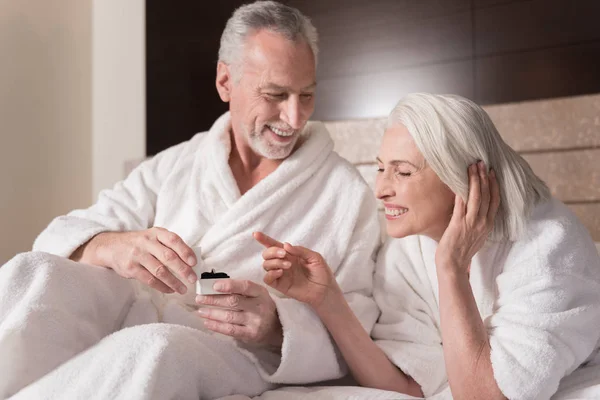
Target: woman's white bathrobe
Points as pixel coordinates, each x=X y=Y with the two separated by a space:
x=538 y=297
x=314 y=199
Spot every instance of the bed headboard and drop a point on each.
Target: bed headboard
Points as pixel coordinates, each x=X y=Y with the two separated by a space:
x=560 y=138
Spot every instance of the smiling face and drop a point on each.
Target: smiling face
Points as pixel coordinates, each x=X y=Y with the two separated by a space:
x=273 y=98
x=416 y=201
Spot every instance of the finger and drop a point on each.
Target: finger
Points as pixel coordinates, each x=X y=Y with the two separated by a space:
x=459 y=208
x=273 y=252
x=301 y=252
x=270 y=265
x=271 y=277
x=474 y=200
x=485 y=190
x=176 y=243
x=236 y=331
x=162 y=273
x=266 y=240
x=229 y=301
x=142 y=275
x=170 y=258
x=236 y=286
x=495 y=197
x=222 y=315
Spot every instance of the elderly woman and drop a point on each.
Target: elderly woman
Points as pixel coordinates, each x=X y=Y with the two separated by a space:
x=488 y=287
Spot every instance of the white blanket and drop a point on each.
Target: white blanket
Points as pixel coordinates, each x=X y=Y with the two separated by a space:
x=315 y=199
x=539 y=299
x=67 y=318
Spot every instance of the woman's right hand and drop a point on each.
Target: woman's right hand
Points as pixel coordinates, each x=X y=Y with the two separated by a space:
x=296 y=271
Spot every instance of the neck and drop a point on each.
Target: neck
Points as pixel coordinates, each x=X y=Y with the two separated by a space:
x=248 y=168
x=437 y=232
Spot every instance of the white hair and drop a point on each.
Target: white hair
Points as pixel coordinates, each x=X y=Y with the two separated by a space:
x=270 y=15
x=452 y=133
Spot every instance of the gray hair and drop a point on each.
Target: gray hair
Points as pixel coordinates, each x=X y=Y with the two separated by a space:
x=270 y=15
x=452 y=133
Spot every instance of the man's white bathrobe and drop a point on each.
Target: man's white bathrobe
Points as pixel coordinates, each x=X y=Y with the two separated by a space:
x=314 y=199
x=538 y=297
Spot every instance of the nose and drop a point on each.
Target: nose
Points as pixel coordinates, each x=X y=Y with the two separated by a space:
x=292 y=112
x=383 y=188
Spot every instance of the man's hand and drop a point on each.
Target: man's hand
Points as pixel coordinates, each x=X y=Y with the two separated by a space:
x=148 y=256
x=246 y=312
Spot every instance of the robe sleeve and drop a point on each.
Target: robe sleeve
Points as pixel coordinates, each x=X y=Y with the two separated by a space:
x=309 y=354
x=129 y=205
x=547 y=316
x=407 y=331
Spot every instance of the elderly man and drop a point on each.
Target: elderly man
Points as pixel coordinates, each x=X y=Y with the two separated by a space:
x=71 y=326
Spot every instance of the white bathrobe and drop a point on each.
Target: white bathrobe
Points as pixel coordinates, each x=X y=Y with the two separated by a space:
x=539 y=299
x=314 y=199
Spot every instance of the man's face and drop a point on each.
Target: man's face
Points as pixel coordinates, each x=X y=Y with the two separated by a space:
x=273 y=97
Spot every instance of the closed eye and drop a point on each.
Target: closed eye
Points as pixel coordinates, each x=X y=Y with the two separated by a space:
x=277 y=96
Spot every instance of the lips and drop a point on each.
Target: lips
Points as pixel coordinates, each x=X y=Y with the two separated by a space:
x=280 y=135
x=393 y=211
x=281 y=132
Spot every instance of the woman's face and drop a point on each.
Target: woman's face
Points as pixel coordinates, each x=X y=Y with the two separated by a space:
x=416 y=201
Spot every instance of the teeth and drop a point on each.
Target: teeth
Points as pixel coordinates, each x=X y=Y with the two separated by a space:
x=394 y=212
x=279 y=132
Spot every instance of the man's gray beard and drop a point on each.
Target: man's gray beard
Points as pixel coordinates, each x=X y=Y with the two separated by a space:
x=264 y=148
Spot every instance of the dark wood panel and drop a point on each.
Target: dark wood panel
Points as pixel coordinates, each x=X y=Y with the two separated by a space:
x=347 y=51
x=186 y=20
x=374 y=52
x=361 y=13
x=493 y=3
x=182 y=44
x=535 y=24
x=556 y=72
x=374 y=95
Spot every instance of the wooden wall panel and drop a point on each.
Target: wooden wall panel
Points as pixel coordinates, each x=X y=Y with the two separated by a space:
x=493 y=3
x=186 y=105
x=348 y=51
x=374 y=52
x=373 y=95
x=362 y=14
x=182 y=42
x=546 y=73
x=535 y=24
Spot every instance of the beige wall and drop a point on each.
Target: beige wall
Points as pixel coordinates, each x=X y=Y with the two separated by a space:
x=119 y=105
x=45 y=115
x=72 y=107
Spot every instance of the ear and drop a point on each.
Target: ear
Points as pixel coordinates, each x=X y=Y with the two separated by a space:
x=224 y=81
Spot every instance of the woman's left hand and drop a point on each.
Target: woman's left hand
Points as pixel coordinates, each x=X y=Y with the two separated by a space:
x=470 y=226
